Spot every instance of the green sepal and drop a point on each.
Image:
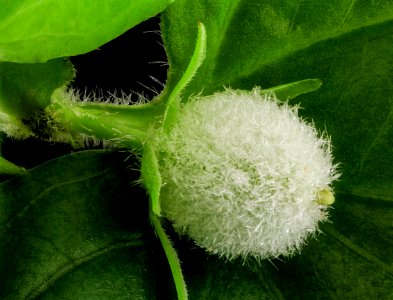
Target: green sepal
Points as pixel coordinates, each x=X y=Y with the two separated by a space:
x=173 y=102
x=294 y=89
x=151 y=177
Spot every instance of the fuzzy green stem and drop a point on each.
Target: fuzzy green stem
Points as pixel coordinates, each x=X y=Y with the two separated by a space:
x=122 y=125
x=172 y=257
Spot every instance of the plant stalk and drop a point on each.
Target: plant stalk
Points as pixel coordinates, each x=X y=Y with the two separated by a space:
x=172 y=257
x=121 y=125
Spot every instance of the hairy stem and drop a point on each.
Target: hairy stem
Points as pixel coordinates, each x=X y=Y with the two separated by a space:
x=122 y=125
x=172 y=257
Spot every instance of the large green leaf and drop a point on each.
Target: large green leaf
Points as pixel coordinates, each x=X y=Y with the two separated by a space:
x=246 y=36
x=349 y=48
x=73 y=228
x=348 y=45
x=36 y=31
x=351 y=259
x=65 y=234
x=78 y=234
x=26 y=89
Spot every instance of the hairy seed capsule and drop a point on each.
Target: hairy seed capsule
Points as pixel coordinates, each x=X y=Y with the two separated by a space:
x=242 y=175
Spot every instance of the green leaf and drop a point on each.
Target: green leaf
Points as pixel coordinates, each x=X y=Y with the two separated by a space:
x=246 y=36
x=350 y=259
x=25 y=89
x=174 y=99
x=288 y=44
x=348 y=45
x=73 y=229
x=32 y=31
x=354 y=105
x=8 y=168
x=57 y=215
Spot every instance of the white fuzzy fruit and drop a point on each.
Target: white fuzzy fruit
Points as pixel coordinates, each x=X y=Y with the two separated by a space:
x=241 y=175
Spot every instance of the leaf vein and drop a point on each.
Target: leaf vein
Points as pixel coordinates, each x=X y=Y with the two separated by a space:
x=23 y=210
x=357 y=249
x=348 y=12
x=50 y=280
x=381 y=130
x=295 y=13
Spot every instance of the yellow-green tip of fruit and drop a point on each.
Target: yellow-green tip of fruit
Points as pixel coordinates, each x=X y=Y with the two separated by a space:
x=325 y=197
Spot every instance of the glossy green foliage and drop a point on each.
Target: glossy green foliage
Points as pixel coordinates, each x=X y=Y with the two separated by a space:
x=73 y=229
x=348 y=46
x=63 y=227
x=350 y=259
x=26 y=89
x=36 y=31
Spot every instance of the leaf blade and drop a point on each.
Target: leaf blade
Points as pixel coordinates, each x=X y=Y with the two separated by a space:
x=32 y=31
x=348 y=46
x=53 y=222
